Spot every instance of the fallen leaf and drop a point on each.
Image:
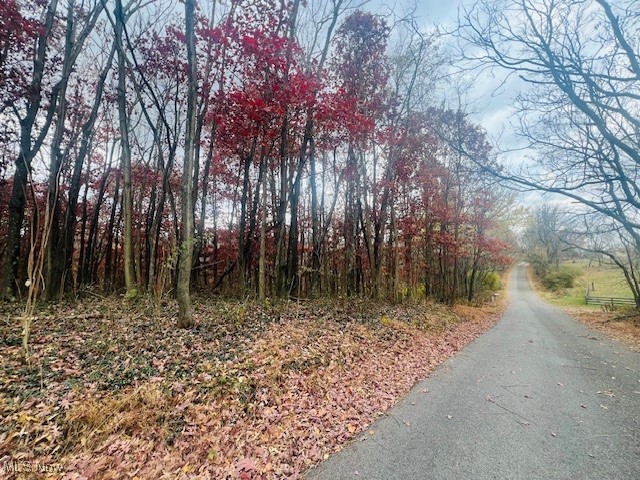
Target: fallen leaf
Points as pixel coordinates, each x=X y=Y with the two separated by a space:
x=234 y=410
x=246 y=464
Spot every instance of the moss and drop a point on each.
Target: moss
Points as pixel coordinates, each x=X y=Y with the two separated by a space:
x=131 y=295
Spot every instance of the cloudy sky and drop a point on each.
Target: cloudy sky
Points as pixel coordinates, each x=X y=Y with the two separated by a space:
x=438 y=11
x=487 y=97
x=490 y=97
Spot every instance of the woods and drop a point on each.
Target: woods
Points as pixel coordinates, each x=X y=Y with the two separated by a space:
x=250 y=148
x=234 y=233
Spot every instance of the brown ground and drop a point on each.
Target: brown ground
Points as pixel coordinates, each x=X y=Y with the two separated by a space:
x=115 y=391
x=622 y=325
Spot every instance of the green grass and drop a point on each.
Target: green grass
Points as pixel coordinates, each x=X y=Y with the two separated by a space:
x=608 y=281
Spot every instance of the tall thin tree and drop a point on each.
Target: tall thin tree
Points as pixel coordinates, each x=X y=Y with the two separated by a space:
x=185 y=312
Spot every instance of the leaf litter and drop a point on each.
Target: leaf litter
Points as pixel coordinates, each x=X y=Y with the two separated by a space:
x=117 y=391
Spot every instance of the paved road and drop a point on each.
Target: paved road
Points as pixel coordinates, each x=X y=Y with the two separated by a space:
x=537 y=397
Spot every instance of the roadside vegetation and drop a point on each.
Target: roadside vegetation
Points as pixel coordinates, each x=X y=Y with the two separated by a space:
x=114 y=391
x=566 y=287
x=568 y=284
x=565 y=269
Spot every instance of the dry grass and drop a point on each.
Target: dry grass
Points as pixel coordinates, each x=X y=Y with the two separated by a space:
x=142 y=412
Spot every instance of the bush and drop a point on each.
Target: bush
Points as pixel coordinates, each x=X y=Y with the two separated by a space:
x=563 y=277
x=491 y=282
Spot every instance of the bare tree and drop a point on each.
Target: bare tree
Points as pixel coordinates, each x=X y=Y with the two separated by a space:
x=125 y=151
x=582 y=111
x=598 y=234
x=545 y=238
x=74 y=42
x=31 y=141
x=185 y=313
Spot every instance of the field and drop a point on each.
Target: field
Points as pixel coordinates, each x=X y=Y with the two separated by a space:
x=602 y=281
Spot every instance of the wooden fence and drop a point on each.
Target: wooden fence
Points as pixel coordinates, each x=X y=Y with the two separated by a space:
x=610 y=301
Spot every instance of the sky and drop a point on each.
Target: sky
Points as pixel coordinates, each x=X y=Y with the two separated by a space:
x=490 y=100
x=438 y=11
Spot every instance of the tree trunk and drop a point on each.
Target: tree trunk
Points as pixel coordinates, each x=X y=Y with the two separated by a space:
x=55 y=252
x=244 y=203
x=292 y=249
x=315 y=224
x=28 y=150
x=66 y=250
x=200 y=231
x=280 y=262
x=262 y=263
x=125 y=156
x=185 y=307
x=109 y=269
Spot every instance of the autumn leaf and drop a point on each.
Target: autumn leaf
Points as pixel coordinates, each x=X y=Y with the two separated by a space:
x=320 y=375
x=246 y=464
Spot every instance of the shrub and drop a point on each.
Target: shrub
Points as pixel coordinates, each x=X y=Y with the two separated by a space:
x=563 y=277
x=492 y=282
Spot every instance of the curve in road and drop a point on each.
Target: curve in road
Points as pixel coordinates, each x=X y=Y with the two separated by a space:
x=539 y=396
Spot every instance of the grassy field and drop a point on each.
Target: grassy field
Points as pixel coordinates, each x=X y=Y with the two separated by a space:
x=603 y=281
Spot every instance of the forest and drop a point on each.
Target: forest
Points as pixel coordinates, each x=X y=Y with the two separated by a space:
x=234 y=233
x=256 y=149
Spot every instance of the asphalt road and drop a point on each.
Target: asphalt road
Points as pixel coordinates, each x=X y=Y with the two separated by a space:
x=539 y=396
